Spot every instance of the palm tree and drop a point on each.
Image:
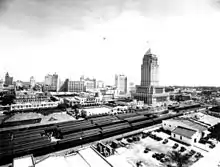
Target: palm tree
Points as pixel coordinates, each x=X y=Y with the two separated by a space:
x=178 y=158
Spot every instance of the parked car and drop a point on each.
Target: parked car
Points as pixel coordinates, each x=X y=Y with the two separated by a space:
x=175 y=146
x=136 y=138
x=129 y=140
x=154 y=155
x=165 y=141
x=146 y=151
x=198 y=155
x=192 y=152
x=182 y=149
x=212 y=146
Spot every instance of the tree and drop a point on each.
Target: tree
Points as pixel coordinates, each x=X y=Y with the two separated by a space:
x=8 y=99
x=178 y=158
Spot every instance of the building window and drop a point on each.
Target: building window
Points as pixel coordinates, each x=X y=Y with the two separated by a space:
x=180 y=137
x=174 y=135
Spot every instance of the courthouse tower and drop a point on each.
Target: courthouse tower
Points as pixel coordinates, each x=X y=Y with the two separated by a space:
x=149 y=70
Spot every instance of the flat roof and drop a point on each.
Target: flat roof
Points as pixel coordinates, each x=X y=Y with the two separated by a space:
x=191 y=123
x=179 y=130
x=64 y=161
x=97 y=110
x=26 y=161
x=208 y=119
x=93 y=158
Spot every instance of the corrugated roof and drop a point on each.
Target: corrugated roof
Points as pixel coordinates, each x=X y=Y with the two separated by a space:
x=184 y=132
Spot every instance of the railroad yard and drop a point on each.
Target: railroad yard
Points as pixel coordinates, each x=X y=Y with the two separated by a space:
x=58 y=136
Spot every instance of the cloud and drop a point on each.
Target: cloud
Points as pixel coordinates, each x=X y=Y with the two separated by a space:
x=40 y=17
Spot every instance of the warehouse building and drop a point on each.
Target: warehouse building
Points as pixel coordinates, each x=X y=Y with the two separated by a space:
x=185 y=129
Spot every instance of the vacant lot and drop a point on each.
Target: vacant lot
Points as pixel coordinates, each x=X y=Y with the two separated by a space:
x=61 y=116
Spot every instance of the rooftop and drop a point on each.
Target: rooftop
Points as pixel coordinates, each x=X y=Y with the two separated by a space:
x=26 y=161
x=184 y=132
x=191 y=123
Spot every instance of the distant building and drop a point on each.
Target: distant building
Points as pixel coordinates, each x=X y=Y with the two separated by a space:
x=121 y=83
x=76 y=86
x=30 y=97
x=100 y=84
x=8 y=80
x=131 y=88
x=32 y=82
x=72 y=86
x=48 y=79
x=149 y=91
x=30 y=106
x=1 y=84
x=51 y=83
x=180 y=97
x=90 y=84
x=55 y=81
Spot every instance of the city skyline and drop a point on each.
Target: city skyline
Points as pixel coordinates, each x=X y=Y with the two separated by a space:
x=101 y=39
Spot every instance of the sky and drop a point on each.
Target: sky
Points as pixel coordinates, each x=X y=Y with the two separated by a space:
x=99 y=38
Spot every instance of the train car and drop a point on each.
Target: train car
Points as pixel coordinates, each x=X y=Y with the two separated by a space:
x=21 y=122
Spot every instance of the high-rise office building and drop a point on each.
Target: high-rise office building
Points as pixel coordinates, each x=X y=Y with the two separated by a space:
x=72 y=86
x=149 y=70
x=149 y=91
x=121 y=83
x=48 y=79
x=8 y=80
x=90 y=84
x=51 y=82
x=32 y=82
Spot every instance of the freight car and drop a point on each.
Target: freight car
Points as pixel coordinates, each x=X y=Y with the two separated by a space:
x=21 y=122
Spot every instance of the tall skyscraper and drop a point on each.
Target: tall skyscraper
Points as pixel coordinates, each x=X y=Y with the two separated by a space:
x=55 y=80
x=32 y=82
x=149 y=91
x=8 y=80
x=51 y=82
x=121 y=83
x=48 y=79
x=149 y=70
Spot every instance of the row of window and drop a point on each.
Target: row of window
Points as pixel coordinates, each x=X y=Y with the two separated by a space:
x=32 y=106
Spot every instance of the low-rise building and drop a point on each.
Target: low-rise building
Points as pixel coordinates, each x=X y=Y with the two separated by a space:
x=31 y=106
x=188 y=125
x=186 y=135
x=29 y=97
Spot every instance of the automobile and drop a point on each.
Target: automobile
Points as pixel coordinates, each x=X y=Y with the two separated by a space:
x=192 y=152
x=136 y=138
x=212 y=146
x=129 y=140
x=203 y=141
x=144 y=135
x=198 y=155
x=166 y=159
x=154 y=155
x=158 y=157
x=188 y=155
x=182 y=149
x=175 y=146
x=162 y=155
x=146 y=151
x=165 y=141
